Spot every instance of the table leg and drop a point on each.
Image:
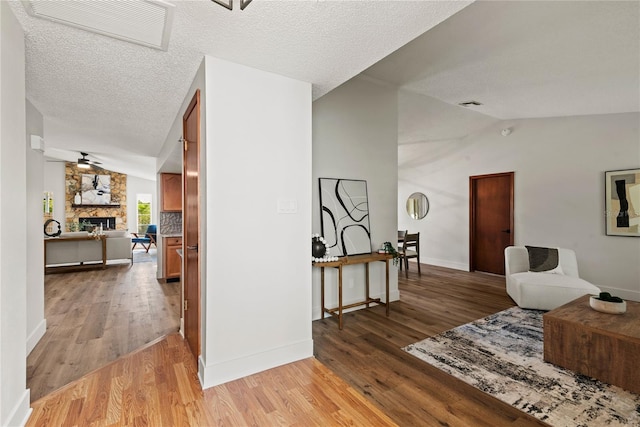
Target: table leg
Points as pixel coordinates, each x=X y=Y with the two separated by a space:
x=104 y=251
x=366 y=268
x=340 y=297
x=387 y=284
x=322 y=291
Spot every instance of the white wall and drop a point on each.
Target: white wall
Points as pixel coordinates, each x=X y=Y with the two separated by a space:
x=257 y=287
x=136 y=186
x=559 y=166
x=36 y=323
x=355 y=131
x=14 y=396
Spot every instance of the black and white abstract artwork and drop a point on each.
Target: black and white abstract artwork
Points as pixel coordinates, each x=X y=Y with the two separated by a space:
x=344 y=211
x=502 y=355
x=96 y=189
x=622 y=202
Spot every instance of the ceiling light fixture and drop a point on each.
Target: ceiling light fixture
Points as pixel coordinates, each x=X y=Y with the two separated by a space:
x=469 y=103
x=83 y=164
x=229 y=3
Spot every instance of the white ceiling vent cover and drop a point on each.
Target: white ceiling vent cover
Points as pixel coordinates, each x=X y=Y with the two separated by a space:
x=146 y=22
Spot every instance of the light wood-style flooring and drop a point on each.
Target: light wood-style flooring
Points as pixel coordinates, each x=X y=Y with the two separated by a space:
x=158 y=386
x=96 y=316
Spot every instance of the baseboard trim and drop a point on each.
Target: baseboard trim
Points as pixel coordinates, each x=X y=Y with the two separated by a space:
x=220 y=373
x=622 y=293
x=36 y=335
x=447 y=264
x=21 y=412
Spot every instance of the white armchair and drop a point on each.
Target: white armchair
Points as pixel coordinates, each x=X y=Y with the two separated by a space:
x=541 y=290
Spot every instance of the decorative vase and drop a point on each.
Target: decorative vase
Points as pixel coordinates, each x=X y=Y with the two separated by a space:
x=318 y=249
x=77 y=199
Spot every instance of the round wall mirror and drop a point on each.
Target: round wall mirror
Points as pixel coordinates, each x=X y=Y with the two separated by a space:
x=417 y=206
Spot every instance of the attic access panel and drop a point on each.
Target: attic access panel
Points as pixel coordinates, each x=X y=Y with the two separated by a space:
x=344 y=215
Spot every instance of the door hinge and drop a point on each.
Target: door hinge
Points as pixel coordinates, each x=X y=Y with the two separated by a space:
x=186 y=145
x=185 y=305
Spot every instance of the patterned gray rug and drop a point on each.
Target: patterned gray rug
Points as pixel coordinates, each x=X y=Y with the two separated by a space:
x=502 y=356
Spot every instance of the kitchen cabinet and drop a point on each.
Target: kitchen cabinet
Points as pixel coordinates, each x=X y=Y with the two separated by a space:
x=172 y=260
x=171 y=192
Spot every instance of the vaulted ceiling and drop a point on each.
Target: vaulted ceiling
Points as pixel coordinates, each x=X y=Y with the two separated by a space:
x=117 y=100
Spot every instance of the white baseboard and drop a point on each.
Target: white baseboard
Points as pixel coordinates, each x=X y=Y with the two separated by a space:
x=21 y=412
x=394 y=295
x=36 y=335
x=220 y=373
x=446 y=263
x=622 y=293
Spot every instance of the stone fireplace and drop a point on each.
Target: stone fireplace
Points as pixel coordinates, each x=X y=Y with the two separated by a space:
x=115 y=213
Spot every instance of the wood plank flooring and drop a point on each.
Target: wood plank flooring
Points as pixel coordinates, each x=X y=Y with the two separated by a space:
x=158 y=386
x=96 y=316
x=360 y=375
x=367 y=352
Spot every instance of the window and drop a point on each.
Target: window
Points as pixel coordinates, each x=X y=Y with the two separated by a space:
x=144 y=212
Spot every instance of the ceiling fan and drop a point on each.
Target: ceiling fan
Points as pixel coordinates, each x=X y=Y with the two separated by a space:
x=85 y=163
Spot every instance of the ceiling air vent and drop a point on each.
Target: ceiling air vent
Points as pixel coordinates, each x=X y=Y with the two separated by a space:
x=145 y=22
x=469 y=103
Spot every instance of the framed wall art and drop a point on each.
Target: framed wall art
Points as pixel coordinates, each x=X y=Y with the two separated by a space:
x=96 y=189
x=622 y=202
x=344 y=213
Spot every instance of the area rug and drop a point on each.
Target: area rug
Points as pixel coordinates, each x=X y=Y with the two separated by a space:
x=502 y=355
x=142 y=256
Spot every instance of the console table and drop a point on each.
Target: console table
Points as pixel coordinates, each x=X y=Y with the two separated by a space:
x=352 y=260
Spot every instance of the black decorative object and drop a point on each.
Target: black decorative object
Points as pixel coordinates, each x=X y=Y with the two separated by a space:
x=318 y=247
x=55 y=233
x=344 y=212
x=606 y=296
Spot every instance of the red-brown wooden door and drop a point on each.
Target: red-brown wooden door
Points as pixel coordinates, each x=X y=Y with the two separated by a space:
x=191 y=223
x=491 y=221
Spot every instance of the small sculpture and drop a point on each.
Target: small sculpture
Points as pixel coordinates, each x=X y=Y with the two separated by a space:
x=606 y=296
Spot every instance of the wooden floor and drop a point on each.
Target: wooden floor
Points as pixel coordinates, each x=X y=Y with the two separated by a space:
x=367 y=352
x=364 y=377
x=158 y=386
x=96 y=316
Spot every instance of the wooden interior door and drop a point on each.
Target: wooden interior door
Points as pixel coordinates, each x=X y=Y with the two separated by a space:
x=191 y=223
x=491 y=221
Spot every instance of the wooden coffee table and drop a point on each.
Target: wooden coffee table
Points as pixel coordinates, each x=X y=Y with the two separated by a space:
x=600 y=345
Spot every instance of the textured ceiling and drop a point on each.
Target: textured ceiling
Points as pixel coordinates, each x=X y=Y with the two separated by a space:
x=106 y=96
x=521 y=60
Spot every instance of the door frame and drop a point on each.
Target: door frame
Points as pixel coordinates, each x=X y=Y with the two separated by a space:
x=193 y=105
x=473 y=211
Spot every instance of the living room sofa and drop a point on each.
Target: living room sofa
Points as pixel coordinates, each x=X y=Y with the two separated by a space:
x=74 y=248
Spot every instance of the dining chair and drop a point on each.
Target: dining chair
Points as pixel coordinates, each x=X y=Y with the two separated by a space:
x=410 y=249
x=401 y=234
